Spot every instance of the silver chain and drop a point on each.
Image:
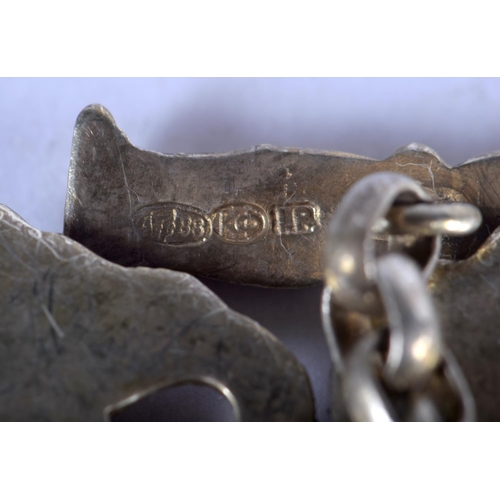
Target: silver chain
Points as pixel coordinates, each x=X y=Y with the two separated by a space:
x=390 y=361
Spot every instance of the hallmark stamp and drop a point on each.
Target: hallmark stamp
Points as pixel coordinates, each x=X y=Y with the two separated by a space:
x=240 y=223
x=295 y=218
x=176 y=224
x=173 y=224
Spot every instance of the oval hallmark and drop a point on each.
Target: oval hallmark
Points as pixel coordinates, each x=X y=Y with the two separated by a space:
x=173 y=224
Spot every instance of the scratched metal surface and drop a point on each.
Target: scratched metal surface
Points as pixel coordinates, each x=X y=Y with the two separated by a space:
x=458 y=118
x=80 y=337
x=467 y=297
x=254 y=217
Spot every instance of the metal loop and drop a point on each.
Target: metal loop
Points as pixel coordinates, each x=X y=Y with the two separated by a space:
x=451 y=219
x=326 y=321
x=350 y=257
x=374 y=294
x=414 y=334
x=367 y=401
x=455 y=378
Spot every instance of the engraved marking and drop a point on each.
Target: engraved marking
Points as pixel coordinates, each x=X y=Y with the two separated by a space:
x=176 y=224
x=295 y=218
x=173 y=224
x=240 y=223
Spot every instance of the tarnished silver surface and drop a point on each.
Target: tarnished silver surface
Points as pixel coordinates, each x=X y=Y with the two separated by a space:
x=381 y=325
x=256 y=216
x=467 y=297
x=81 y=337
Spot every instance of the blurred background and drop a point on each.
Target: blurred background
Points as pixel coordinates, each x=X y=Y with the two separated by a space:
x=457 y=117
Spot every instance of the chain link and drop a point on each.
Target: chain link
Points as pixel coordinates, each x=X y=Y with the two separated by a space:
x=381 y=325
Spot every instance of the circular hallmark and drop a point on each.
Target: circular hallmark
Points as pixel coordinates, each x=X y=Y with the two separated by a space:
x=240 y=223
